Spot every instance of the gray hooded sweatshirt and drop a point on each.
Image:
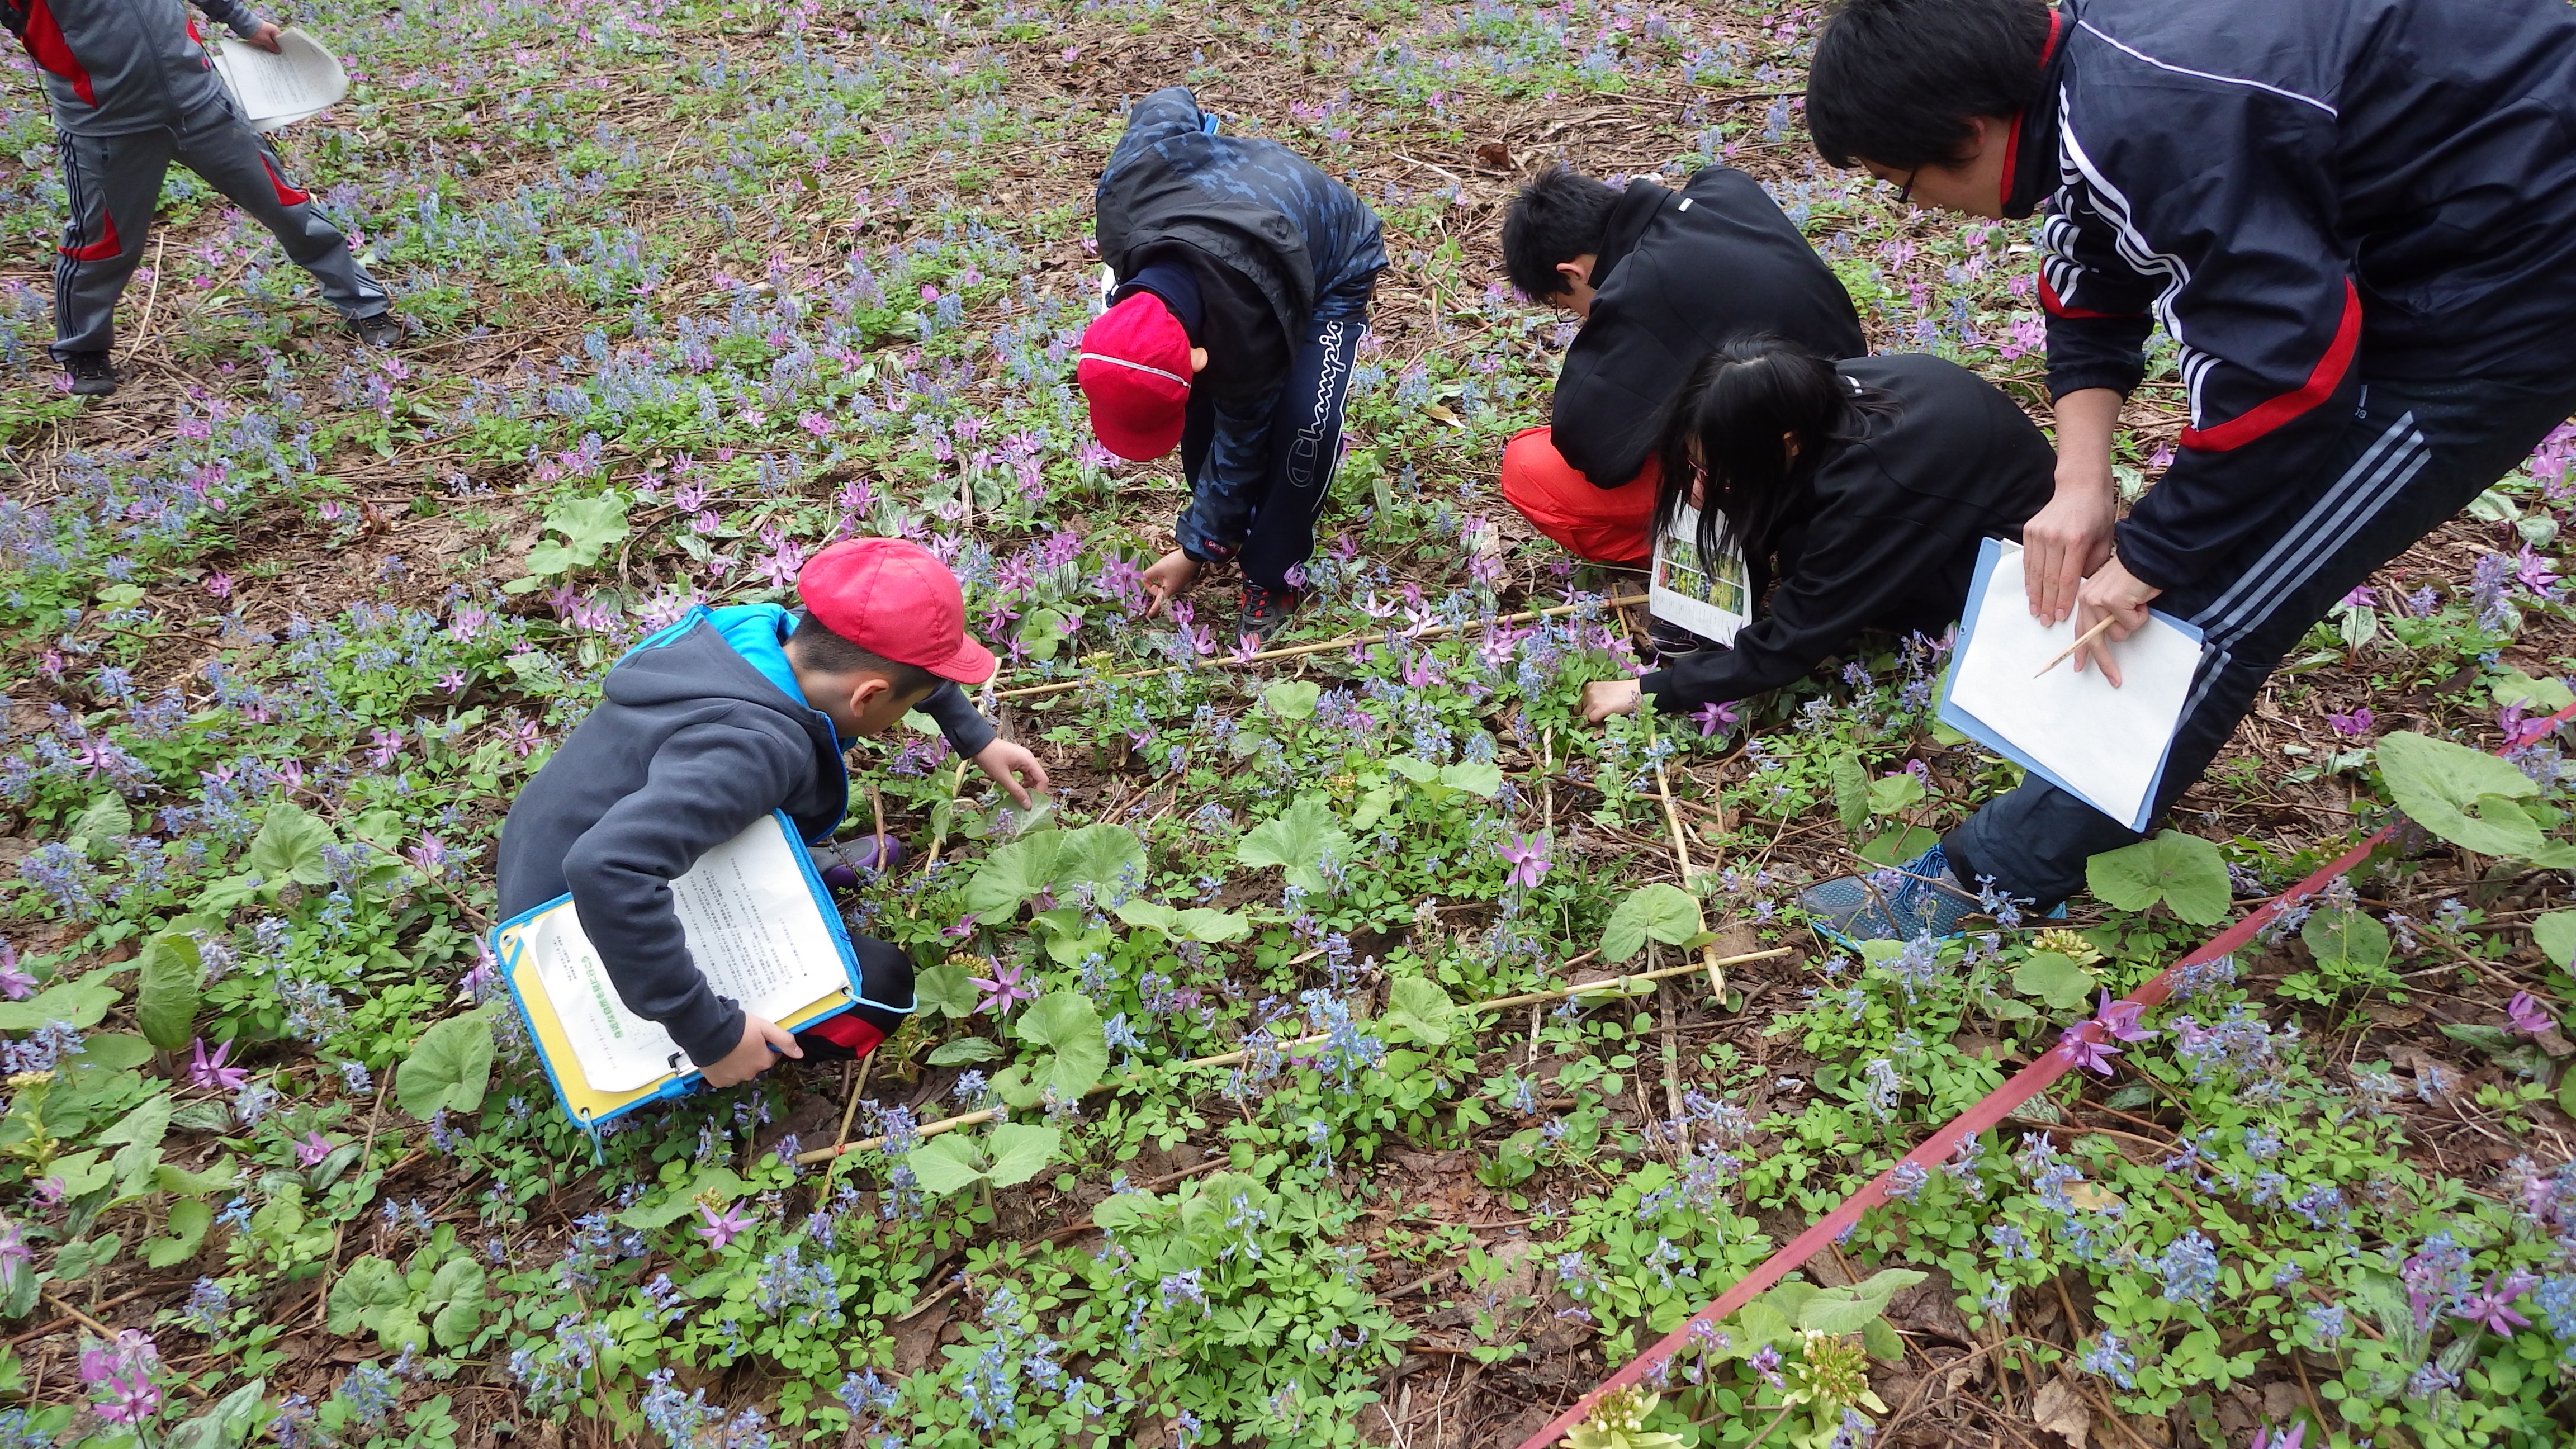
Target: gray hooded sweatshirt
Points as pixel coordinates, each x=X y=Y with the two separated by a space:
x=114 y=67
x=701 y=734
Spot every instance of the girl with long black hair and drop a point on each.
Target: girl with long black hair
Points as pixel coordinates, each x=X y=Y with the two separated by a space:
x=1860 y=488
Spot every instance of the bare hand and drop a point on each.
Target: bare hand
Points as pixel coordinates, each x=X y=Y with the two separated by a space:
x=1171 y=575
x=265 y=37
x=2064 y=542
x=752 y=1055
x=1605 y=697
x=1009 y=765
x=2116 y=594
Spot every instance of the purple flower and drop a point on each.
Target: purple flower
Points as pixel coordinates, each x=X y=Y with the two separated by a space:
x=2351 y=726
x=211 y=1073
x=2527 y=1014
x=1527 y=856
x=2534 y=573
x=13 y=1248
x=2297 y=1436
x=123 y=1370
x=2119 y=1020
x=429 y=857
x=1712 y=717
x=1003 y=990
x=721 y=1225
x=15 y=984
x=2363 y=597
x=2493 y=1309
x=2084 y=1052
x=1766 y=1362
x=312 y=1149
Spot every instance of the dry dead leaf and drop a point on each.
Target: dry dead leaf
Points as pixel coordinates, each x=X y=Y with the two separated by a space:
x=2061 y=1411
x=1496 y=155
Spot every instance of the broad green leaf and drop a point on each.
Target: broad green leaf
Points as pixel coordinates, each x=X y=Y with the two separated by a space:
x=79 y=1004
x=400 y=1328
x=1851 y=791
x=2465 y=796
x=2055 y=979
x=2555 y=935
x=1293 y=698
x=949 y=987
x=1886 y=1283
x=367 y=1290
x=1011 y=874
x=2495 y=1041
x=457 y=1295
x=2347 y=941
x=1123 y=1210
x=145 y=1126
x=1476 y=777
x=1297 y=842
x=1839 y=1310
x=1041 y=633
x=94 y=831
x=1882 y=1340
x=589 y=526
x=1150 y=913
x=1418 y=1010
x=1201 y=923
x=76 y=1260
x=289 y=847
x=1896 y=847
x=2183 y=871
x=1764 y=1323
x=170 y=975
x=965 y=1049
x=712 y=1184
x=449 y=1069
x=1020 y=1151
x=2536 y=696
x=1420 y=772
x=946 y=1164
x=189 y=1219
x=1075 y=1051
x=227 y=1425
x=1098 y=856
x=111 y=1051
x=1661 y=912
x=1892 y=793
x=169 y=1177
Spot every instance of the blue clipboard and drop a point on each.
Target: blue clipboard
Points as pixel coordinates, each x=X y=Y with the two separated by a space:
x=1989 y=553
x=590 y=1109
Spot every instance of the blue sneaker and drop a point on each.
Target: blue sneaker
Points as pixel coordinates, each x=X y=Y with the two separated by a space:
x=1901 y=903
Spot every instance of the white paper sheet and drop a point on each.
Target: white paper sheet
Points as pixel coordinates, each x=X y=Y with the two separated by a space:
x=2104 y=744
x=753 y=926
x=1712 y=605
x=301 y=81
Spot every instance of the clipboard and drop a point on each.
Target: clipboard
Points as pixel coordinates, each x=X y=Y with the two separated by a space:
x=1713 y=603
x=2073 y=730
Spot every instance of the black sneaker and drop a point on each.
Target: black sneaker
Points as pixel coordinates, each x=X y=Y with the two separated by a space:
x=91 y=373
x=382 y=330
x=1671 y=641
x=1266 y=610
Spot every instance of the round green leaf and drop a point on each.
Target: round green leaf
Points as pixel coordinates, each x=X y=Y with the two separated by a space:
x=1293 y=698
x=1662 y=912
x=449 y=1069
x=946 y=1164
x=171 y=975
x=2055 y=979
x=2183 y=871
x=1020 y=1151
x=2462 y=795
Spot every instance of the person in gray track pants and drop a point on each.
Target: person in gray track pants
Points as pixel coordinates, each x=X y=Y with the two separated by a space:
x=133 y=90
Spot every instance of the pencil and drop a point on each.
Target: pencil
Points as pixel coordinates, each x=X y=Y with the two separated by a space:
x=2089 y=636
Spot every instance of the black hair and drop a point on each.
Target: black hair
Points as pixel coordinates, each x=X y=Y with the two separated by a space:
x=1896 y=81
x=818 y=646
x=1556 y=218
x=1724 y=431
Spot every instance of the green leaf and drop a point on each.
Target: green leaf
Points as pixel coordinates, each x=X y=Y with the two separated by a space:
x=1297 y=842
x=227 y=1425
x=189 y=1219
x=169 y=1177
x=2465 y=796
x=712 y=1184
x=2347 y=941
x=1839 y=1310
x=948 y=987
x=1882 y=1340
x=2055 y=979
x=1041 y=633
x=1076 y=1051
x=75 y=1261
x=111 y=1051
x=965 y=1049
x=1764 y=1323
x=2536 y=696
x=170 y=976
x=1150 y=913
x=1476 y=777
x=2495 y=1041
x=1293 y=698
x=368 y=1289
x=449 y=1069
x=946 y=1164
x=589 y=526
x=1886 y=1283
x=1891 y=793
x=457 y=1294
x=289 y=847
x=1420 y=1011
x=2555 y=935
x=2183 y=871
x=1201 y=923
x=1098 y=856
x=1011 y=874
x=1021 y=1151
x=1896 y=847
x=95 y=831
x=1661 y=912
x=79 y=1004
x=1850 y=780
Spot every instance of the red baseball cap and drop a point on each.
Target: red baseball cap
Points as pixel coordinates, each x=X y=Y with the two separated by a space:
x=1135 y=369
x=895 y=600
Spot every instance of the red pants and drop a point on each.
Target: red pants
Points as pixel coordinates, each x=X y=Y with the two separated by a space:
x=1603 y=525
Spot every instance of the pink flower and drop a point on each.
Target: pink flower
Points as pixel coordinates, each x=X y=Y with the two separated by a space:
x=1003 y=990
x=2119 y=1019
x=211 y=1073
x=721 y=1227
x=2493 y=1309
x=2083 y=1051
x=452 y=681
x=2362 y=597
x=1527 y=856
x=2351 y=726
x=1712 y=717
x=313 y=1149
x=15 y=984
x=2527 y=1014
x=220 y=585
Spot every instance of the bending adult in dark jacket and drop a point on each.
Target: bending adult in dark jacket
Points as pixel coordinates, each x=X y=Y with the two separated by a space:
x=1660 y=278
x=2358 y=220
x=1242 y=276
x=1861 y=487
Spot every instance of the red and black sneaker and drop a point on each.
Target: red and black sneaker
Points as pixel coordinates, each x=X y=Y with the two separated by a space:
x=1266 y=610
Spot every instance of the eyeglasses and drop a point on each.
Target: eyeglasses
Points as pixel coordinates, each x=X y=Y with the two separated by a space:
x=1905 y=193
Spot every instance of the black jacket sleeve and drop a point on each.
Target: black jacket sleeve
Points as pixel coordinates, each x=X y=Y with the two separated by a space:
x=707 y=785
x=2097 y=311
x=966 y=729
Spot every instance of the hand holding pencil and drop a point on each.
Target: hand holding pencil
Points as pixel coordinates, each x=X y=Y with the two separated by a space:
x=2109 y=607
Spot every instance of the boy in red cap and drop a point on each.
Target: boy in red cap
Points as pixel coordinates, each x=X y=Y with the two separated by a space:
x=1241 y=281
x=713 y=723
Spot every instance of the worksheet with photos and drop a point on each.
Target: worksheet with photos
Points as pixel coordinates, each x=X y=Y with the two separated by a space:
x=1712 y=599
